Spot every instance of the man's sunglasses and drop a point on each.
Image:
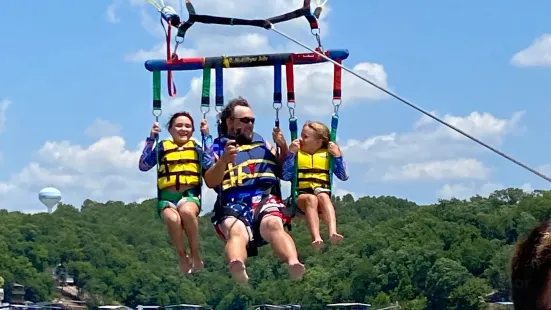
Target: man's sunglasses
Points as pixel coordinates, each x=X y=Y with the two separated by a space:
x=246 y=120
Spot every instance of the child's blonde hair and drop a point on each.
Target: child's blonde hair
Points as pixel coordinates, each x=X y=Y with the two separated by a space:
x=322 y=131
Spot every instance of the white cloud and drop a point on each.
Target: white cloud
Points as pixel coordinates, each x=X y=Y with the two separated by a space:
x=101 y=128
x=465 y=191
x=430 y=140
x=105 y=170
x=468 y=190
x=111 y=12
x=431 y=151
x=462 y=168
x=537 y=54
x=4 y=105
x=480 y=125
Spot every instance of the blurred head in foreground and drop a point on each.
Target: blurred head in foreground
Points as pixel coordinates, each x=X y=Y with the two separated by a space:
x=531 y=270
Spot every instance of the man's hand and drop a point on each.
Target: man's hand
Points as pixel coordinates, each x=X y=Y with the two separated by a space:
x=279 y=138
x=230 y=151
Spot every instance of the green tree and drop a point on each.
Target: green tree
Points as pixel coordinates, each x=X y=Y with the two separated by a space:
x=440 y=256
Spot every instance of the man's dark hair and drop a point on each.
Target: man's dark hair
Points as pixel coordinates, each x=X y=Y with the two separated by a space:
x=227 y=112
x=530 y=266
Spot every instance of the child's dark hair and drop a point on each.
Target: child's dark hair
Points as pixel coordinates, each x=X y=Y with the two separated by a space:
x=178 y=114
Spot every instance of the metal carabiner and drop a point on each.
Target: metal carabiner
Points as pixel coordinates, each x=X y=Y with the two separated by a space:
x=157 y=113
x=318 y=37
x=336 y=104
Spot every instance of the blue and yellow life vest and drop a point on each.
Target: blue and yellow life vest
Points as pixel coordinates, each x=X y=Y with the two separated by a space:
x=178 y=165
x=255 y=167
x=313 y=170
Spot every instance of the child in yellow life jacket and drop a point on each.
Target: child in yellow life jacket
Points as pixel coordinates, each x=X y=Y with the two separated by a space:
x=314 y=196
x=182 y=163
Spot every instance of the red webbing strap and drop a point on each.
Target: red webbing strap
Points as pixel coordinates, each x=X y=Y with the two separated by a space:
x=290 y=74
x=171 y=86
x=337 y=80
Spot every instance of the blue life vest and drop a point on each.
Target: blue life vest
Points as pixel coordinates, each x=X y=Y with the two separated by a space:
x=254 y=170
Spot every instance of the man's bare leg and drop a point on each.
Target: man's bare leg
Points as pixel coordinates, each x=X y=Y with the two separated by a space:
x=237 y=238
x=271 y=230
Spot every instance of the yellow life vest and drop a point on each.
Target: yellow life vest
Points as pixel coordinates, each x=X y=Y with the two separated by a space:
x=178 y=165
x=313 y=170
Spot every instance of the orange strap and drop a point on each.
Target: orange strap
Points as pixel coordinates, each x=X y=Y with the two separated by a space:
x=171 y=86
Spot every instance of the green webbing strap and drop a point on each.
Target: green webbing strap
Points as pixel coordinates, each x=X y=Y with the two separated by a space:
x=156 y=90
x=205 y=107
x=157 y=111
x=205 y=95
x=332 y=138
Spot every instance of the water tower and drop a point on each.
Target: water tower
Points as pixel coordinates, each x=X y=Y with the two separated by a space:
x=50 y=197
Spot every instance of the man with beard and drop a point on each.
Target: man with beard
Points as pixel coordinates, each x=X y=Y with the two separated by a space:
x=249 y=210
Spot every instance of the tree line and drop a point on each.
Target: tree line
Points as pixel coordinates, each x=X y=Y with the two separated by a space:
x=440 y=256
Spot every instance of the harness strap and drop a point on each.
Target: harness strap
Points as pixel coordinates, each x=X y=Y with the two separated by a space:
x=170 y=82
x=313 y=170
x=193 y=18
x=219 y=75
x=205 y=92
x=305 y=11
x=337 y=100
x=176 y=149
x=179 y=173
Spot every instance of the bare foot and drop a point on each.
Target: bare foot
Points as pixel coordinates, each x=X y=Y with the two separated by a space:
x=318 y=244
x=296 y=271
x=198 y=263
x=237 y=269
x=336 y=238
x=185 y=264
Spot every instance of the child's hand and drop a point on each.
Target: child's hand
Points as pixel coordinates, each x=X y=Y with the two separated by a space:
x=154 y=130
x=295 y=146
x=334 y=149
x=204 y=127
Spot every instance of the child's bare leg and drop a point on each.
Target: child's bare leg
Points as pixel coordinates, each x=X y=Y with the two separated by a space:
x=328 y=213
x=188 y=212
x=173 y=224
x=309 y=203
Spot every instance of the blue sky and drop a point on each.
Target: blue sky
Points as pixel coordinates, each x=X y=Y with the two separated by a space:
x=71 y=68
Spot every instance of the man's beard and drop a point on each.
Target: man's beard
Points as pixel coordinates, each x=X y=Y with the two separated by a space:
x=239 y=137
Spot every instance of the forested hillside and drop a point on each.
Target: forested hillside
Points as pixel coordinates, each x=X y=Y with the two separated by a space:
x=442 y=256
